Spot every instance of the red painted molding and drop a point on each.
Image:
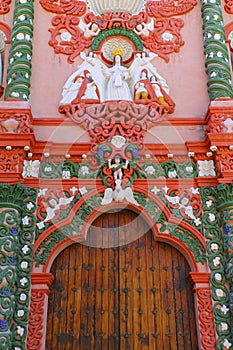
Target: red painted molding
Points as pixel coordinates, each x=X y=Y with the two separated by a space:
x=42 y=278
x=199 y=277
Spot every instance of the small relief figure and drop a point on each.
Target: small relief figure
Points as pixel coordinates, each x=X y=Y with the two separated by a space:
x=163 y=98
x=71 y=90
x=117 y=87
x=117 y=167
x=143 y=29
x=142 y=89
x=88 y=90
x=90 y=29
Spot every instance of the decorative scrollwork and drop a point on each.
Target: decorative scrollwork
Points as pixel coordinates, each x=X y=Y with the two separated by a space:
x=4 y=6
x=72 y=7
x=124 y=118
x=206 y=318
x=35 y=326
x=164 y=8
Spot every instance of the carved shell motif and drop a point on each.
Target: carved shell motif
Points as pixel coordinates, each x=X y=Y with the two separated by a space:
x=100 y=6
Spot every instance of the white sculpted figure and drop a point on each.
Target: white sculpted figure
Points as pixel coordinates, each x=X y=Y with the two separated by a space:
x=108 y=83
x=117 y=81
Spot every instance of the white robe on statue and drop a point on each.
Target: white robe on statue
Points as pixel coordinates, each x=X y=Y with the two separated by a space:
x=117 y=86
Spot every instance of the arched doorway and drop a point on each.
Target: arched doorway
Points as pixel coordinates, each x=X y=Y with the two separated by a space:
x=121 y=296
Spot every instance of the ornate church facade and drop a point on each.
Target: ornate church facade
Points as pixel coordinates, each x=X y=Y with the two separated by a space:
x=116 y=196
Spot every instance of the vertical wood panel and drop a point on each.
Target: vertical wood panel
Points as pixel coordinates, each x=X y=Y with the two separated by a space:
x=109 y=295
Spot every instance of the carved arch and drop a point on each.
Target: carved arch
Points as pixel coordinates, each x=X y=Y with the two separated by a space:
x=165 y=227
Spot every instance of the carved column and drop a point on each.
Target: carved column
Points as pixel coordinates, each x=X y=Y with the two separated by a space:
x=17 y=224
x=19 y=69
x=216 y=52
x=225 y=207
x=38 y=310
x=204 y=308
x=216 y=261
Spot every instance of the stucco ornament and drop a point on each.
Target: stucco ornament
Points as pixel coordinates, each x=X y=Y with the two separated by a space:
x=99 y=7
x=95 y=82
x=31 y=168
x=118 y=194
x=118 y=141
x=206 y=168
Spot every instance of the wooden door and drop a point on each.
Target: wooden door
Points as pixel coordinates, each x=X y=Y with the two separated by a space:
x=125 y=297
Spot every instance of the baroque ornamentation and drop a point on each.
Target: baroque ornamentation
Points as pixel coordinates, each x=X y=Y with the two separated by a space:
x=155 y=26
x=17 y=229
x=35 y=326
x=125 y=118
x=11 y=161
x=206 y=318
x=19 y=68
x=220 y=123
x=206 y=168
x=4 y=6
x=17 y=123
x=216 y=260
x=216 y=52
x=86 y=209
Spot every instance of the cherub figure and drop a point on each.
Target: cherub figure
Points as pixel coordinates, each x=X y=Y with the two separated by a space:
x=117 y=167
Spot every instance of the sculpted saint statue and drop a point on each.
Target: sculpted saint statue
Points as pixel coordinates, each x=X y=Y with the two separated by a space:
x=95 y=82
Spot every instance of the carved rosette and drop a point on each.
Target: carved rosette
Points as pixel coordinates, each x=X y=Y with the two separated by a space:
x=123 y=118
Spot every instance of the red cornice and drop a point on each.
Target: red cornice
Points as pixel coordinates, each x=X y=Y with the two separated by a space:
x=199 y=277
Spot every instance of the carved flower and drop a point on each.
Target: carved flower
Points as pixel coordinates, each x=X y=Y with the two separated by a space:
x=166 y=36
x=189 y=169
x=150 y=170
x=218 y=277
x=172 y=174
x=227 y=345
x=20 y=313
x=211 y=217
x=23 y=297
x=66 y=174
x=220 y=293
x=23 y=281
x=209 y=203
x=84 y=170
x=66 y=36
x=214 y=247
x=216 y=261
x=118 y=141
x=31 y=168
x=206 y=168
x=197 y=222
x=223 y=326
x=24 y=265
x=224 y=309
x=20 y=330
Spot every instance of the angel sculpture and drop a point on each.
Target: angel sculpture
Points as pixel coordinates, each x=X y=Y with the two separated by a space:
x=90 y=29
x=117 y=167
x=119 y=194
x=143 y=29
